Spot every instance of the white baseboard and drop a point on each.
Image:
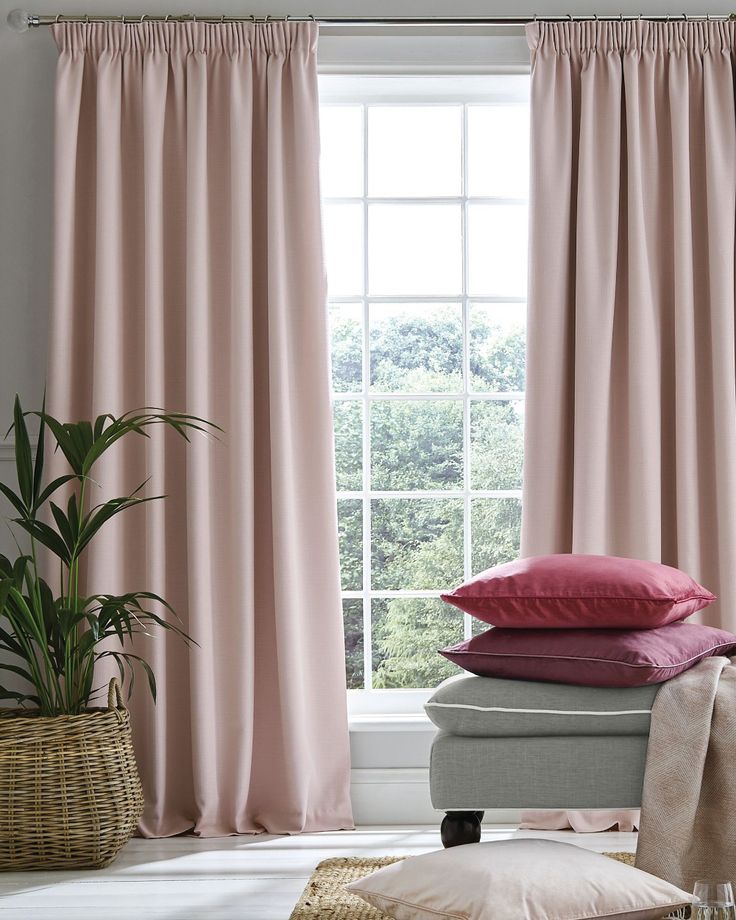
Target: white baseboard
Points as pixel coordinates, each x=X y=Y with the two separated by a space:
x=401 y=796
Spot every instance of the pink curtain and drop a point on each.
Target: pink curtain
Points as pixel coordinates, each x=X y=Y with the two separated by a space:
x=188 y=273
x=631 y=389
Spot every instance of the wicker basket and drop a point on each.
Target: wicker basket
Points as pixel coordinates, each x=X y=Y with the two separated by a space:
x=70 y=794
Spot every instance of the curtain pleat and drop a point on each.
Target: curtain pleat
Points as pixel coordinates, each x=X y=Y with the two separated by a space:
x=188 y=274
x=631 y=380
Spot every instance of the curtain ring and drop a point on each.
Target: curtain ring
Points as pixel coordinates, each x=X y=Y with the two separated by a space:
x=144 y=16
x=167 y=17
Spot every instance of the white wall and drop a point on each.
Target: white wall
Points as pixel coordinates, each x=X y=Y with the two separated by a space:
x=390 y=771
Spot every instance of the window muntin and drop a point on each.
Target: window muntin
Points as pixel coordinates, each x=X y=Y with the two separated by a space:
x=426 y=260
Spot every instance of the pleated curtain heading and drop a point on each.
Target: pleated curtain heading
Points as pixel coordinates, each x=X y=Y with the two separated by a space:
x=188 y=273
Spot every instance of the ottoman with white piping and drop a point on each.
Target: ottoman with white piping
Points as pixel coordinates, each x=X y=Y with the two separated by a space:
x=525 y=744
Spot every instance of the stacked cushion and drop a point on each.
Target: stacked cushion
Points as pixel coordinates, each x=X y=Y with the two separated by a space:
x=572 y=591
x=597 y=621
x=478 y=707
x=592 y=657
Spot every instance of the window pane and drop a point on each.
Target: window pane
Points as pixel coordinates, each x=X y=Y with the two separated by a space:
x=414 y=150
x=350 y=526
x=497 y=444
x=348 y=422
x=417 y=544
x=414 y=249
x=496 y=529
x=497 y=347
x=343 y=230
x=416 y=348
x=406 y=634
x=346 y=334
x=352 y=617
x=341 y=154
x=498 y=150
x=416 y=445
x=497 y=241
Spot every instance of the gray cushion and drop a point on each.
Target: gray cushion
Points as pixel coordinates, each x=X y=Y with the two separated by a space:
x=583 y=772
x=490 y=707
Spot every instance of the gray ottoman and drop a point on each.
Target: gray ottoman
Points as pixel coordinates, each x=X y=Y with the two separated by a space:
x=524 y=744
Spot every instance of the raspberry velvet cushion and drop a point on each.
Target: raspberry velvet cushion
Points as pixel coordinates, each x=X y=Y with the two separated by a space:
x=591 y=657
x=570 y=591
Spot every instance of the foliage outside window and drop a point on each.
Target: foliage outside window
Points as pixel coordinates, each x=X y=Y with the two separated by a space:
x=425 y=222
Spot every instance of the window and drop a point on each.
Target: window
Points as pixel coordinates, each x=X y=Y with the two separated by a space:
x=425 y=184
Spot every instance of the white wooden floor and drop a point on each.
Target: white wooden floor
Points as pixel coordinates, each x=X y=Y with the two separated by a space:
x=225 y=878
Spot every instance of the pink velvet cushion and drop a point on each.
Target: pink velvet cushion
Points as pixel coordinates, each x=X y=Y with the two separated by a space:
x=591 y=657
x=569 y=591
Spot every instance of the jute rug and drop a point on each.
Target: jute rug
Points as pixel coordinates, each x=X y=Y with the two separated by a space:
x=325 y=897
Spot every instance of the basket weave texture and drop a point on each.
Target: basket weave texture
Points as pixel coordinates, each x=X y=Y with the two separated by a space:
x=70 y=794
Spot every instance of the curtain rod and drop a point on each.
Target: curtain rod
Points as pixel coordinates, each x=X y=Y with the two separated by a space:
x=21 y=20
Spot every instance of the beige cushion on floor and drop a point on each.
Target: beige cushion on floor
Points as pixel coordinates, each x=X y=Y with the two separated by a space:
x=525 y=879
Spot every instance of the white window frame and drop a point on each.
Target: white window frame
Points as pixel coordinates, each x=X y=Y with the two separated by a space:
x=465 y=90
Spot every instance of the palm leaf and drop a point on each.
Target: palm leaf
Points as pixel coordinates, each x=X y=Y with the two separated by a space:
x=23 y=456
x=38 y=465
x=47 y=536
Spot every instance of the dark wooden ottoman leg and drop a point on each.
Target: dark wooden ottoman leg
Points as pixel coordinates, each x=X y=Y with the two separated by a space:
x=460 y=827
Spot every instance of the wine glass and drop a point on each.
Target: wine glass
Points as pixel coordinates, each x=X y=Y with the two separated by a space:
x=713 y=901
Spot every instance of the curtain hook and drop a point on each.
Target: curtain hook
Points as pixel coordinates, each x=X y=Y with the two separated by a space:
x=167 y=17
x=86 y=19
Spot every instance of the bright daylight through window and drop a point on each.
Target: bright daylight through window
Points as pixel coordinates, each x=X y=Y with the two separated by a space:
x=425 y=185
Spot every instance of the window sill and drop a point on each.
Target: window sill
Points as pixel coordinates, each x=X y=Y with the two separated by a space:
x=391 y=722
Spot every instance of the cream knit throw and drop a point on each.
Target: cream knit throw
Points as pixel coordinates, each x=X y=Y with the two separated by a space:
x=688 y=813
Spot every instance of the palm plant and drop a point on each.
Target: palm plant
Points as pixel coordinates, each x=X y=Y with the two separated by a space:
x=54 y=640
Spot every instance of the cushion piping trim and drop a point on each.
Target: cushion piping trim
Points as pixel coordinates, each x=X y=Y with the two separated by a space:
x=366 y=894
x=627 y=664
x=554 y=712
x=664 y=599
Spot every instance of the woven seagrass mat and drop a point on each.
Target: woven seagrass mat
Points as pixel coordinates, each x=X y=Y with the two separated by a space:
x=325 y=897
